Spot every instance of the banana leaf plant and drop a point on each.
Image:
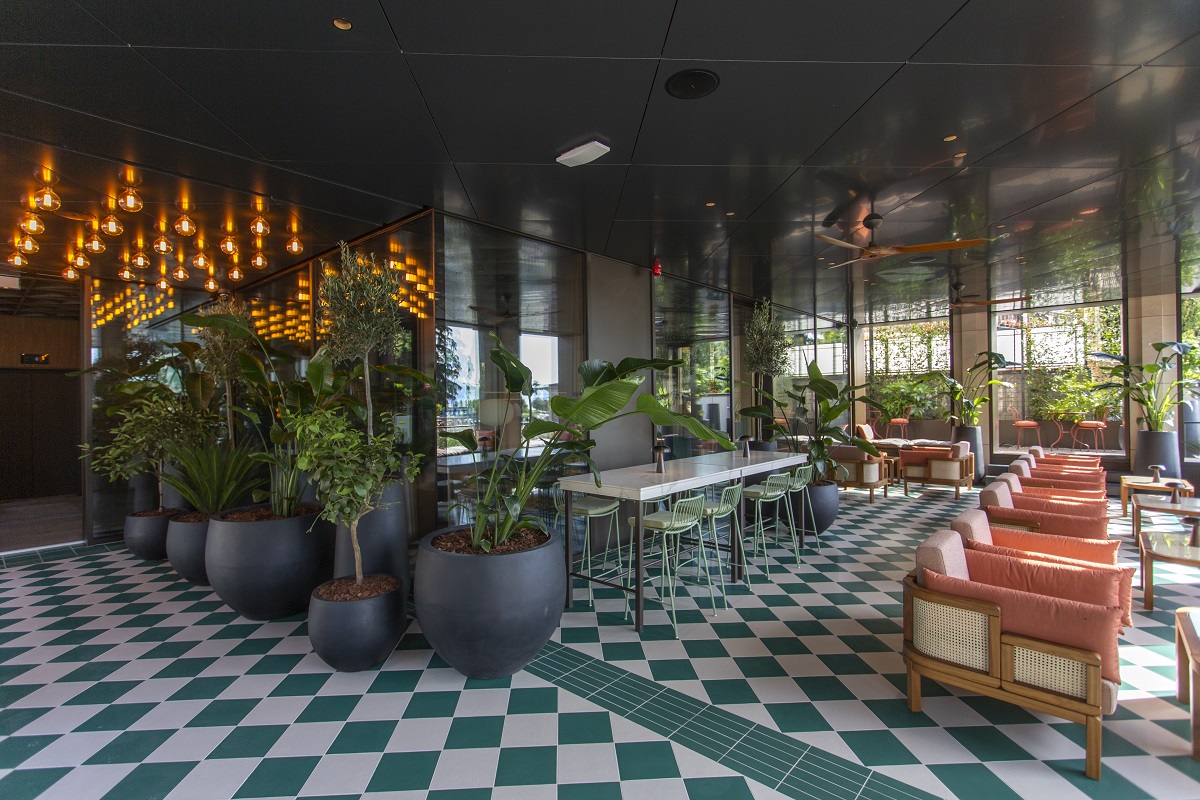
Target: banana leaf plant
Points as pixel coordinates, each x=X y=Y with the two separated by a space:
x=829 y=403
x=1149 y=386
x=503 y=489
x=968 y=398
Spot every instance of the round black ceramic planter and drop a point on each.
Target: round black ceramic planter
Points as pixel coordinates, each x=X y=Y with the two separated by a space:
x=382 y=538
x=824 y=499
x=265 y=570
x=353 y=635
x=146 y=537
x=171 y=498
x=489 y=615
x=145 y=492
x=973 y=436
x=186 y=543
x=1157 y=447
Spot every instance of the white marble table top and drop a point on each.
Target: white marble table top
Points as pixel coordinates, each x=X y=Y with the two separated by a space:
x=679 y=475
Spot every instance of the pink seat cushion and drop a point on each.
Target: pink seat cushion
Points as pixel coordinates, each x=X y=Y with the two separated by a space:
x=1083 y=625
x=921 y=455
x=1099 y=551
x=1079 y=583
x=1060 y=524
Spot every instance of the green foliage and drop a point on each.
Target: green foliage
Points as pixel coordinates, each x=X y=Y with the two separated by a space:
x=220 y=352
x=1061 y=392
x=213 y=477
x=894 y=394
x=502 y=490
x=968 y=398
x=766 y=342
x=449 y=366
x=1149 y=386
x=830 y=402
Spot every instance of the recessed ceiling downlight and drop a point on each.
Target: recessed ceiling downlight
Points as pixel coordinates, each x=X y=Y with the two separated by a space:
x=342 y=24
x=692 y=84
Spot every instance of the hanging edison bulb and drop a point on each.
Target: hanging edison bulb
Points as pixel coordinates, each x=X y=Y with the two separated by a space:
x=162 y=245
x=210 y=285
x=94 y=244
x=47 y=200
x=184 y=225
x=32 y=224
x=27 y=245
x=140 y=260
x=258 y=261
x=129 y=200
x=294 y=245
x=79 y=260
x=162 y=283
x=125 y=273
x=111 y=226
x=228 y=245
x=200 y=261
x=70 y=273
x=180 y=273
x=18 y=259
x=235 y=273
x=259 y=226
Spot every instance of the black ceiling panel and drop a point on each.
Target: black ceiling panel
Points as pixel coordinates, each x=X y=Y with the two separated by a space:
x=435 y=185
x=310 y=106
x=786 y=30
x=39 y=22
x=529 y=110
x=683 y=192
x=1129 y=32
x=904 y=124
x=762 y=113
x=1183 y=55
x=613 y=29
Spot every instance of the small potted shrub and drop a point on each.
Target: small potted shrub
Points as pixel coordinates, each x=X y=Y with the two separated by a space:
x=355 y=621
x=490 y=594
x=212 y=478
x=967 y=400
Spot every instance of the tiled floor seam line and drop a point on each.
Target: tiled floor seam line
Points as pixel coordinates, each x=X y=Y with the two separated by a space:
x=802 y=749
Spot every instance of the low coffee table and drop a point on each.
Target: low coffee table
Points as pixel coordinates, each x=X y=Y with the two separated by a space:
x=1161 y=546
x=1187 y=667
x=1144 y=483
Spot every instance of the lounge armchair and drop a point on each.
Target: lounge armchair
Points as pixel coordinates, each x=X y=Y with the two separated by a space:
x=857 y=469
x=1041 y=636
x=1062 y=458
x=1056 y=481
x=1057 y=505
x=996 y=501
x=1094 y=479
x=1080 y=470
x=943 y=466
x=1016 y=485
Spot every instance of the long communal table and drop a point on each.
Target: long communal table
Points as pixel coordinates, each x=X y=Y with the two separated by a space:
x=642 y=484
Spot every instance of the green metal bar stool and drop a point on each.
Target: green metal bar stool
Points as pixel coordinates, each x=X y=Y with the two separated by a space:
x=685 y=515
x=802 y=478
x=725 y=507
x=774 y=489
x=590 y=508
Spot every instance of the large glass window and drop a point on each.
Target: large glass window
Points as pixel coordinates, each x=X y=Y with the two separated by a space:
x=900 y=356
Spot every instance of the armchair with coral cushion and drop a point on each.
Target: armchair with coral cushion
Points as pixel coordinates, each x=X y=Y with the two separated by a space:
x=1059 y=505
x=1023 y=499
x=1021 y=470
x=996 y=501
x=944 y=466
x=1064 y=459
x=1041 y=636
x=1040 y=469
x=1017 y=485
x=857 y=469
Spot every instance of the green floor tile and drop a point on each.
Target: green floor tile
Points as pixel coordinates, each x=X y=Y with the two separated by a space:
x=469 y=732
x=399 y=772
x=733 y=788
x=459 y=794
x=203 y=688
x=394 y=682
x=251 y=741
x=646 y=760
x=363 y=737
x=988 y=744
x=150 y=781
x=96 y=671
x=170 y=650
x=579 y=635
x=760 y=667
x=300 y=685
x=785 y=646
x=584 y=727
x=117 y=717
x=254 y=647
x=705 y=648
x=1111 y=744
x=878 y=748
x=623 y=651
x=732 y=630
x=274 y=665
x=797 y=717
x=493 y=683
x=13 y=719
x=866 y=644
x=16 y=750
x=103 y=693
x=334 y=708
x=729 y=691
x=524 y=766
x=589 y=791
x=998 y=712
x=1111 y=786
x=27 y=784
x=221 y=713
x=431 y=704
x=804 y=628
x=276 y=777
x=823 y=687
x=131 y=747
x=533 y=701
x=895 y=714
x=185 y=668
x=675 y=669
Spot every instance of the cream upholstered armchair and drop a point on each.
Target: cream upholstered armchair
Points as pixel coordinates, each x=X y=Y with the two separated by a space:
x=1041 y=636
x=1018 y=485
x=857 y=469
x=1065 y=459
x=1053 y=481
x=943 y=466
x=1062 y=519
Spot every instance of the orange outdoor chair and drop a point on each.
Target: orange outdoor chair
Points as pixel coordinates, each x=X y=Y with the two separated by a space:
x=1002 y=513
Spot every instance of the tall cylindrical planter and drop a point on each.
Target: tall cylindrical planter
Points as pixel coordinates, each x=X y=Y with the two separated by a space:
x=382 y=538
x=186 y=545
x=489 y=615
x=973 y=435
x=1157 y=447
x=171 y=498
x=265 y=569
x=145 y=492
x=353 y=635
x=146 y=536
x=825 y=502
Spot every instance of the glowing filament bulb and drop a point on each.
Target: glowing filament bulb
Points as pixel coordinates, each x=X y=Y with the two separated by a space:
x=47 y=200
x=94 y=244
x=229 y=245
x=140 y=260
x=70 y=274
x=180 y=273
x=294 y=245
x=129 y=200
x=259 y=226
x=200 y=261
x=258 y=261
x=18 y=259
x=79 y=260
x=162 y=245
x=210 y=285
x=235 y=273
x=184 y=225
x=31 y=223
x=125 y=273
x=111 y=226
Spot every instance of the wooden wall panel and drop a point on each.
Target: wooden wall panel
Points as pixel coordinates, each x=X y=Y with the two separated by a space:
x=58 y=337
x=39 y=433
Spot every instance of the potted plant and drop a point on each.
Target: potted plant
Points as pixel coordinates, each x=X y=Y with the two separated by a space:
x=489 y=594
x=765 y=346
x=968 y=398
x=212 y=478
x=1153 y=389
x=362 y=316
x=355 y=621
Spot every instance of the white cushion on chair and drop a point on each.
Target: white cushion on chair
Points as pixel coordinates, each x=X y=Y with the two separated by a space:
x=973 y=524
x=943 y=553
x=757 y=491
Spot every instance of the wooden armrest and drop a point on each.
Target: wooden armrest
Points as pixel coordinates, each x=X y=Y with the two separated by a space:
x=1090 y=704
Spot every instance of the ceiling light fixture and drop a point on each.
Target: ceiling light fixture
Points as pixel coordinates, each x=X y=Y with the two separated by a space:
x=47 y=200
x=1001 y=226
x=200 y=261
x=180 y=273
x=342 y=24
x=235 y=273
x=162 y=245
x=111 y=226
x=184 y=225
x=258 y=261
x=729 y=213
x=125 y=273
x=27 y=245
x=961 y=154
x=692 y=84
x=228 y=245
x=94 y=244
x=70 y=273
x=162 y=283
x=584 y=154
x=210 y=284
x=950 y=138
x=710 y=205
x=294 y=245
x=259 y=226
x=18 y=259
x=1090 y=211
x=140 y=260
x=79 y=260
x=31 y=223
x=129 y=200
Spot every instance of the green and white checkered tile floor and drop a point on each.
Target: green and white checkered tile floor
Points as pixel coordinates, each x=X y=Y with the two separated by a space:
x=120 y=681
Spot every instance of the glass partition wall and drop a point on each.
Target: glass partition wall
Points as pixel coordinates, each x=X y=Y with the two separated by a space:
x=905 y=346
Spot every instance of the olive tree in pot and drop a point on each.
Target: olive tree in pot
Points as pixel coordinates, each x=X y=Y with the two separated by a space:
x=212 y=478
x=1153 y=389
x=489 y=595
x=354 y=622
x=968 y=398
x=765 y=345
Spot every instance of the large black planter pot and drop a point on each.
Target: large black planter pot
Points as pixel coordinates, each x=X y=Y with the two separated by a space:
x=353 y=635
x=146 y=537
x=171 y=498
x=186 y=543
x=1157 y=447
x=145 y=492
x=382 y=538
x=489 y=615
x=265 y=570
x=973 y=435
x=825 y=501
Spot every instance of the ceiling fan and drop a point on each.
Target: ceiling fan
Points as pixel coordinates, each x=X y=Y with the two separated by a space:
x=959 y=301
x=496 y=316
x=873 y=250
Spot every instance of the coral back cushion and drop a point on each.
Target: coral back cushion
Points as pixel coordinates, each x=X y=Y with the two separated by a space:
x=1050 y=619
x=1081 y=584
x=1100 y=551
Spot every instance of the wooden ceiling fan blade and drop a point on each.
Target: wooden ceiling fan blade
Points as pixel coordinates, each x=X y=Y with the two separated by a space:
x=844 y=263
x=838 y=242
x=933 y=247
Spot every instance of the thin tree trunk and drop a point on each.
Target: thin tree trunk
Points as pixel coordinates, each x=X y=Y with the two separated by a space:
x=358 y=571
x=367 y=398
x=162 y=465
x=229 y=412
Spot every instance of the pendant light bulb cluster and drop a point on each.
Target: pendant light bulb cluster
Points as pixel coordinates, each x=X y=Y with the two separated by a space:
x=125 y=273
x=259 y=226
x=79 y=260
x=229 y=245
x=129 y=200
x=70 y=273
x=184 y=226
x=235 y=273
x=201 y=261
x=210 y=285
x=162 y=245
x=258 y=261
x=18 y=259
x=32 y=224
x=47 y=200
x=94 y=244
x=27 y=245
x=162 y=284
x=294 y=245
x=140 y=260
x=180 y=273
x=111 y=226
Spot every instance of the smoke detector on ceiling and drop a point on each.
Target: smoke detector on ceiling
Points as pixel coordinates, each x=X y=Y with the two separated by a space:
x=583 y=154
